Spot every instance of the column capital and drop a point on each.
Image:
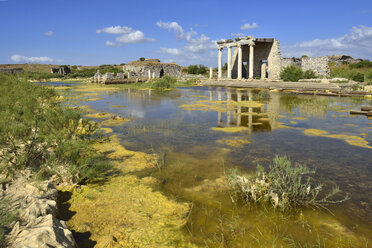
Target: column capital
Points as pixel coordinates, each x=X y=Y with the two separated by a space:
x=220 y=48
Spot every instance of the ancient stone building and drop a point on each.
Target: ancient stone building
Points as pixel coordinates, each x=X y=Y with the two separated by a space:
x=152 y=68
x=63 y=70
x=11 y=71
x=252 y=58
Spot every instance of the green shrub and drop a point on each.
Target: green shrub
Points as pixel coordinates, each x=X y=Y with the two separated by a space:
x=36 y=131
x=291 y=73
x=309 y=74
x=283 y=185
x=361 y=64
x=356 y=76
x=165 y=82
x=6 y=218
x=369 y=76
x=196 y=69
x=142 y=59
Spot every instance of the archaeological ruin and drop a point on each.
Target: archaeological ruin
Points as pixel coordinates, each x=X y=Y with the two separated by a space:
x=152 y=68
x=261 y=58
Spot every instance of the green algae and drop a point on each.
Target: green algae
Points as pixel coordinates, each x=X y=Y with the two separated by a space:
x=99 y=115
x=114 y=122
x=234 y=142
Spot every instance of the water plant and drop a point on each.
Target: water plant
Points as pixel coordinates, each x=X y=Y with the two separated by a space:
x=293 y=73
x=283 y=186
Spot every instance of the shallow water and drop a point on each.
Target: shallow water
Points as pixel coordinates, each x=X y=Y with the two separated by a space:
x=205 y=131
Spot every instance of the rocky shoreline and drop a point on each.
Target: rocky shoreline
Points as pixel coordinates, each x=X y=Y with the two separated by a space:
x=38 y=224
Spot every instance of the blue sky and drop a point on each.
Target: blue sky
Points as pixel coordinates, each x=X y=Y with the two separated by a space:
x=94 y=32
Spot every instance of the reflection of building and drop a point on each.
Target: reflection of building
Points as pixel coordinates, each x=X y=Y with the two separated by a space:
x=239 y=114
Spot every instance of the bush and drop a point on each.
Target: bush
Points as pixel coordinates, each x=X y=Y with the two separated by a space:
x=196 y=69
x=37 y=132
x=142 y=59
x=369 y=76
x=165 y=82
x=361 y=64
x=309 y=74
x=356 y=76
x=283 y=185
x=291 y=73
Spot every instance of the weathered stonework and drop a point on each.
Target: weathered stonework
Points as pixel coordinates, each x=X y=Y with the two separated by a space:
x=152 y=68
x=63 y=70
x=261 y=58
x=317 y=64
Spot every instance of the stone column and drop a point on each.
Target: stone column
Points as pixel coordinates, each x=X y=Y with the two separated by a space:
x=153 y=75
x=219 y=62
x=240 y=62
x=128 y=74
x=229 y=62
x=263 y=71
x=210 y=72
x=149 y=74
x=251 y=61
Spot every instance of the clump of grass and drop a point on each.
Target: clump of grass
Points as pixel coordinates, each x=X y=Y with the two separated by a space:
x=284 y=186
x=7 y=216
x=165 y=82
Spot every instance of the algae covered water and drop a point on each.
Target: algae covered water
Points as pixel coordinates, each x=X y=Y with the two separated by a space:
x=203 y=132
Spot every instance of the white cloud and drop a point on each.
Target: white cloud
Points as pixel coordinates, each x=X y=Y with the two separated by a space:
x=356 y=43
x=112 y=44
x=238 y=34
x=172 y=51
x=115 y=30
x=49 y=33
x=249 y=26
x=180 y=33
x=195 y=50
x=19 y=59
x=126 y=34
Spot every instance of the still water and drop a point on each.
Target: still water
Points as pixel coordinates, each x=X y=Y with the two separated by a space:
x=205 y=131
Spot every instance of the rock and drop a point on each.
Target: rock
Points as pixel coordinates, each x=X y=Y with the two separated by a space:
x=38 y=225
x=46 y=231
x=342 y=80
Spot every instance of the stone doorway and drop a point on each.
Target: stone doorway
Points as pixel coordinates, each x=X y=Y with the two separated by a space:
x=161 y=74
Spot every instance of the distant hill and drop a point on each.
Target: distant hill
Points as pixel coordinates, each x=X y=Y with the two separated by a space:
x=45 y=68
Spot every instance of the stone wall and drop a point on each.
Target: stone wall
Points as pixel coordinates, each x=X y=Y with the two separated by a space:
x=142 y=68
x=11 y=71
x=318 y=64
x=274 y=61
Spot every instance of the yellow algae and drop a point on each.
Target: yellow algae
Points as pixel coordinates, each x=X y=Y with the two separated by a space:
x=350 y=125
x=124 y=211
x=368 y=96
x=115 y=121
x=106 y=130
x=91 y=94
x=363 y=134
x=95 y=89
x=283 y=125
x=293 y=122
x=249 y=113
x=93 y=99
x=343 y=111
x=99 y=115
x=116 y=106
x=351 y=140
x=220 y=106
x=299 y=118
x=275 y=90
x=60 y=87
x=230 y=129
x=234 y=142
x=199 y=96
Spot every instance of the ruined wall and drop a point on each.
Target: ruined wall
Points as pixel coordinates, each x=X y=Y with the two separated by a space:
x=160 y=69
x=318 y=64
x=274 y=61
